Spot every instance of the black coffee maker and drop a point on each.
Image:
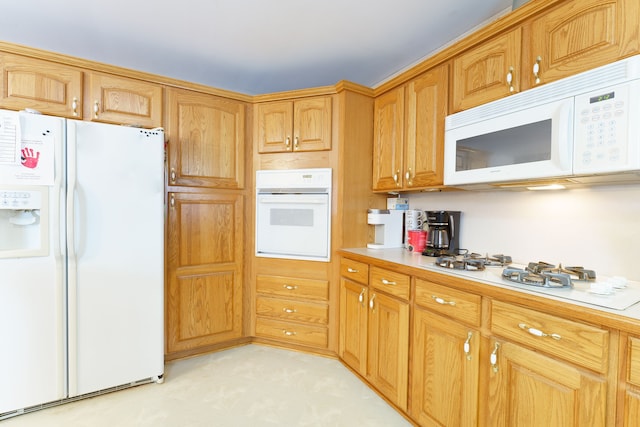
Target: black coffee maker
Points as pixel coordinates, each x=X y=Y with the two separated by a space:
x=443 y=228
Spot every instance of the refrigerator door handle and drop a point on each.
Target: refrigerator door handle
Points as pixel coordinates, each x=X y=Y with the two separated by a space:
x=72 y=291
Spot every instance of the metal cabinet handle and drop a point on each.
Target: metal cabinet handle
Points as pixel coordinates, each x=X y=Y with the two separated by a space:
x=96 y=109
x=74 y=106
x=510 y=79
x=287 y=142
x=289 y=310
x=407 y=176
x=361 y=296
x=296 y=143
x=172 y=201
x=173 y=175
x=467 y=345
x=396 y=178
x=371 y=305
x=493 y=359
x=351 y=270
x=536 y=70
x=538 y=332
x=387 y=282
x=288 y=333
x=290 y=287
x=443 y=301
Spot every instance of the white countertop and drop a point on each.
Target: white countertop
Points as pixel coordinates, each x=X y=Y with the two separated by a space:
x=623 y=302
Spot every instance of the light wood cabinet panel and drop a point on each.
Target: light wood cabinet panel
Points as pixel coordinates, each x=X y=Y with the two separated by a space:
x=459 y=305
x=577 y=36
x=408 y=148
x=298 y=311
x=576 y=342
x=294 y=287
x=204 y=270
x=445 y=368
x=299 y=125
x=124 y=101
x=388 y=140
x=206 y=140
x=427 y=106
x=296 y=333
x=526 y=388
x=354 y=270
x=391 y=282
x=354 y=298
x=480 y=74
x=40 y=85
x=388 y=347
x=630 y=388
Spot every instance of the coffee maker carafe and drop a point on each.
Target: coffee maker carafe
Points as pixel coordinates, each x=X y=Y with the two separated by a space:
x=443 y=228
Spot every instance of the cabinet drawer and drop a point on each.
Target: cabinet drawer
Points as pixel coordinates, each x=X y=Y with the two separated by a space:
x=575 y=342
x=293 y=287
x=391 y=282
x=300 y=311
x=634 y=361
x=292 y=332
x=457 y=304
x=354 y=270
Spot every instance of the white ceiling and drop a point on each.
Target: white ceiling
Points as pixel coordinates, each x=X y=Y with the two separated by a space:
x=249 y=46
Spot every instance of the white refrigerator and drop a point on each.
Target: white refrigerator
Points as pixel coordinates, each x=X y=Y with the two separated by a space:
x=81 y=258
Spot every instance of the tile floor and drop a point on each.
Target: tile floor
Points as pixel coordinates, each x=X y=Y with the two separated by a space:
x=246 y=386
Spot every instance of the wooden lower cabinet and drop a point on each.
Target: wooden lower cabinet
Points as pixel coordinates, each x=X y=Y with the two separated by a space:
x=374 y=335
x=445 y=368
x=526 y=388
x=629 y=396
x=292 y=310
x=204 y=271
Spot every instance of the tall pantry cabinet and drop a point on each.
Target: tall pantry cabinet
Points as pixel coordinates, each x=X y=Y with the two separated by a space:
x=205 y=224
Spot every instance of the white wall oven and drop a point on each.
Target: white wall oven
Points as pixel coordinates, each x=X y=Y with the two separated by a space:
x=293 y=214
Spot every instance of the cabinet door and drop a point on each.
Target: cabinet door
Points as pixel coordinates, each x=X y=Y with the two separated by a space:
x=480 y=74
x=274 y=122
x=444 y=371
x=354 y=298
x=388 y=349
x=44 y=86
x=206 y=140
x=204 y=270
x=388 y=140
x=424 y=136
x=579 y=35
x=312 y=124
x=124 y=101
x=526 y=388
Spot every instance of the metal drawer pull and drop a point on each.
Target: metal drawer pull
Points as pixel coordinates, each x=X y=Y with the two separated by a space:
x=467 y=345
x=538 y=332
x=361 y=296
x=510 y=79
x=493 y=359
x=290 y=287
x=288 y=333
x=371 y=301
x=443 y=301
x=536 y=69
x=74 y=106
x=386 y=282
x=289 y=310
x=352 y=270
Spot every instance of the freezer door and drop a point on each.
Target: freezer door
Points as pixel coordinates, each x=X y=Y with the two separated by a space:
x=115 y=207
x=32 y=271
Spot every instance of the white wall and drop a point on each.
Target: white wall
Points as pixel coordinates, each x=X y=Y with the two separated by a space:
x=597 y=228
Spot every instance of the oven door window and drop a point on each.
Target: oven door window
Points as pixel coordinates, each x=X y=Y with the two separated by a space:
x=293 y=226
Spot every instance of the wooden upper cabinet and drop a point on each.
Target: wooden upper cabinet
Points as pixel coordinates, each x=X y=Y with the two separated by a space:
x=124 y=101
x=408 y=148
x=577 y=36
x=388 y=139
x=41 y=85
x=299 y=125
x=480 y=74
x=206 y=140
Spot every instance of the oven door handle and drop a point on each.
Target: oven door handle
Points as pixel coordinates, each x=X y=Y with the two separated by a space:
x=288 y=199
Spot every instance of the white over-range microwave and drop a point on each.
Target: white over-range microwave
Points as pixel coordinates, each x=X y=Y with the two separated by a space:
x=584 y=128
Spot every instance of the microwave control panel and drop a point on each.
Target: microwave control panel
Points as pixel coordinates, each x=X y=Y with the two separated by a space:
x=603 y=138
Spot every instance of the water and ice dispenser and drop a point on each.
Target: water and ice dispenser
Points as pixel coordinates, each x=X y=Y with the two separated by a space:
x=23 y=221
